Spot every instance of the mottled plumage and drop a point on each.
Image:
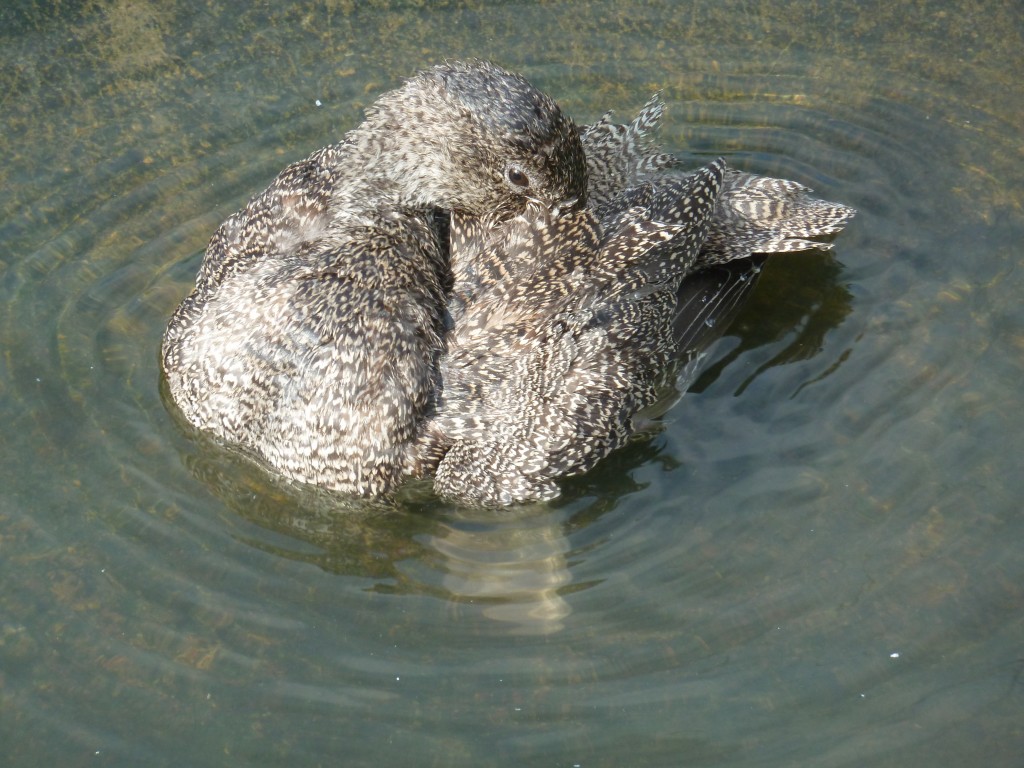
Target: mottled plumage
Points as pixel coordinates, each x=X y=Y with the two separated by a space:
x=620 y=156
x=565 y=322
x=546 y=369
x=436 y=295
x=313 y=334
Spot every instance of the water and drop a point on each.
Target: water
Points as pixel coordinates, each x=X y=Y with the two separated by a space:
x=817 y=562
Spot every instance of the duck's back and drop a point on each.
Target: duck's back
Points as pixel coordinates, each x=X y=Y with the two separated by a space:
x=311 y=339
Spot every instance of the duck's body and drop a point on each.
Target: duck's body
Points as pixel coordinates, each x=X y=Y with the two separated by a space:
x=564 y=321
x=313 y=334
x=336 y=333
x=546 y=370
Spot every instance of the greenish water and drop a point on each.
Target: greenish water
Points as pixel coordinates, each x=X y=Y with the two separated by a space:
x=818 y=562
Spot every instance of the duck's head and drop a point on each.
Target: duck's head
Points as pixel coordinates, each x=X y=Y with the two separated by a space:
x=471 y=136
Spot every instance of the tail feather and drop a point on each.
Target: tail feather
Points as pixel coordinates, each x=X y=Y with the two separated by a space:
x=758 y=214
x=755 y=214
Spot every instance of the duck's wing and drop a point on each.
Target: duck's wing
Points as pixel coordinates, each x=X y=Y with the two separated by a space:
x=681 y=207
x=545 y=377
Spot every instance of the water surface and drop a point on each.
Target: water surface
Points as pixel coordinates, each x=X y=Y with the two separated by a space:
x=816 y=562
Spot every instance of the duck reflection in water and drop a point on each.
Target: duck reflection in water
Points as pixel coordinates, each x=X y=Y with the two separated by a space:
x=508 y=569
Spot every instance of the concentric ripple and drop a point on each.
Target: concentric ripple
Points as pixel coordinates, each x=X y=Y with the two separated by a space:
x=811 y=558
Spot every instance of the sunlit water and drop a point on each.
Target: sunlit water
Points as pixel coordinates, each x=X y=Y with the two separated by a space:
x=817 y=562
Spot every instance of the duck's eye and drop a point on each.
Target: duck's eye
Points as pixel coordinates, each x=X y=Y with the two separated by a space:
x=516 y=177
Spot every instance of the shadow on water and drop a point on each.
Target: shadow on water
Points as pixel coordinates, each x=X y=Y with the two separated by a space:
x=800 y=300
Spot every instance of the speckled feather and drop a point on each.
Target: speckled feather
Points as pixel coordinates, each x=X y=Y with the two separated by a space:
x=754 y=214
x=621 y=156
x=337 y=333
x=565 y=322
x=313 y=333
x=546 y=368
